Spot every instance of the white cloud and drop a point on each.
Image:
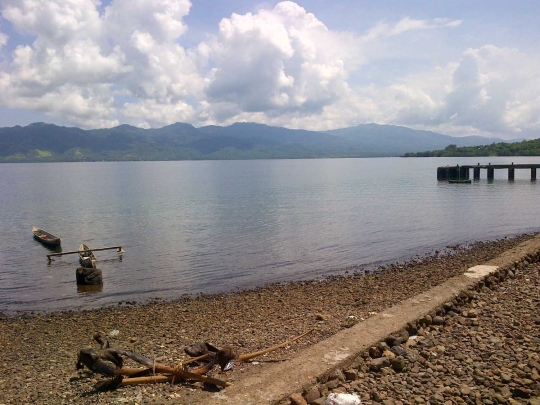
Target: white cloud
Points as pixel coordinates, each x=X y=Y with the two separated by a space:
x=150 y=113
x=490 y=91
x=131 y=47
x=275 y=62
x=56 y=21
x=161 y=19
x=3 y=40
x=97 y=66
x=408 y=24
x=382 y=29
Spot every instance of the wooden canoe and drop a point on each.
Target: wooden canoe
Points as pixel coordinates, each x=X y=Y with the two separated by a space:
x=45 y=237
x=86 y=256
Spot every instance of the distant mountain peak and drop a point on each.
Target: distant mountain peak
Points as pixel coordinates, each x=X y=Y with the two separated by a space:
x=179 y=125
x=39 y=124
x=125 y=126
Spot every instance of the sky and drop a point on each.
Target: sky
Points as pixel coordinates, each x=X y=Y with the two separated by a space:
x=460 y=67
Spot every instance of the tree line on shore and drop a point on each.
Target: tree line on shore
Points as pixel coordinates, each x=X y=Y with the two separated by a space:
x=523 y=148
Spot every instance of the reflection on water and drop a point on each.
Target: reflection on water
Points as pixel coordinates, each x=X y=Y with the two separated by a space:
x=190 y=227
x=50 y=249
x=89 y=289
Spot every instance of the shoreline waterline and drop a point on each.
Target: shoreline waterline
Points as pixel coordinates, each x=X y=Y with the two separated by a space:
x=436 y=254
x=249 y=320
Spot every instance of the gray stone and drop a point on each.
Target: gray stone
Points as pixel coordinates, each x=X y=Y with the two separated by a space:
x=505 y=378
x=398 y=350
x=332 y=384
x=377 y=364
x=438 y=320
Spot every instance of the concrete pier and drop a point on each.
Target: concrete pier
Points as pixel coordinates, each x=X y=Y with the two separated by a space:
x=462 y=172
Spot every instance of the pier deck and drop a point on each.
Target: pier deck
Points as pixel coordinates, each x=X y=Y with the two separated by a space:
x=463 y=172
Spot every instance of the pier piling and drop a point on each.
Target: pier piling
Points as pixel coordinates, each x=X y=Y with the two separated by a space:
x=462 y=172
x=511 y=173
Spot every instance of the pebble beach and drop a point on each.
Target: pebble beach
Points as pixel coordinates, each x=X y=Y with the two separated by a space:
x=484 y=354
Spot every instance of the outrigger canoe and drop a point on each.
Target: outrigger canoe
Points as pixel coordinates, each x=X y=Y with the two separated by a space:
x=45 y=237
x=86 y=257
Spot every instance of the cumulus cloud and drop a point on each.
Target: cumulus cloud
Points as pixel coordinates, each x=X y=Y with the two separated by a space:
x=98 y=66
x=130 y=49
x=57 y=21
x=3 y=40
x=278 y=61
x=489 y=91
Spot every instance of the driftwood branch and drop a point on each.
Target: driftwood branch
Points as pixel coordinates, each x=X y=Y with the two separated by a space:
x=249 y=356
x=110 y=362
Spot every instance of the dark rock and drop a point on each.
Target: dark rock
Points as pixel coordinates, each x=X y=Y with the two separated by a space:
x=89 y=276
x=374 y=352
x=402 y=338
x=426 y=320
x=519 y=392
x=448 y=306
x=399 y=364
x=382 y=346
x=390 y=340
x=351 y=374
x=337 y=375
x=438 y=320
x=196 y=349
x=412 y=329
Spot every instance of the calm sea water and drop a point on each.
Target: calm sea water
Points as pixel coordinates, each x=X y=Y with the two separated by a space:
x=217 y=226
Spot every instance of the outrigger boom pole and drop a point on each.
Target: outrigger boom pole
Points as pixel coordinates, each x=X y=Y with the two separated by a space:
x=118 y=249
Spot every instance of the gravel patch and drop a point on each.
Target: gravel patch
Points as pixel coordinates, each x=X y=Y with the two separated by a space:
x=481 y=349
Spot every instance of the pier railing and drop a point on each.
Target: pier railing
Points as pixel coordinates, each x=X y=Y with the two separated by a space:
x=463 y=172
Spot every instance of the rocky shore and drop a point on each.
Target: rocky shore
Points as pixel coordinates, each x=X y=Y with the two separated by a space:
x=38 y=352
x=483 y=347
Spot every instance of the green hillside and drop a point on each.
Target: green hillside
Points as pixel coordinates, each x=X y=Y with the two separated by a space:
x=523 y=148
x=40 y=142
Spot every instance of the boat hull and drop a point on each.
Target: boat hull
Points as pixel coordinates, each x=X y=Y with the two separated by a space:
x=45 y=237
x=86 y=257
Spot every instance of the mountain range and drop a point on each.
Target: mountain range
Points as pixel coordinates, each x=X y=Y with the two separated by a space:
x=40 y=142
